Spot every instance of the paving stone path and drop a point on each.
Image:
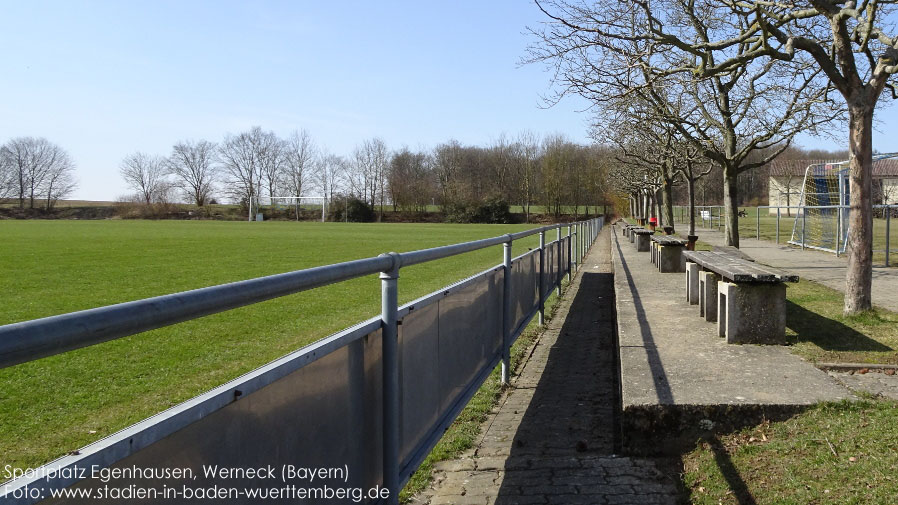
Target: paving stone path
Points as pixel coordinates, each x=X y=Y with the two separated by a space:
x=552 y=438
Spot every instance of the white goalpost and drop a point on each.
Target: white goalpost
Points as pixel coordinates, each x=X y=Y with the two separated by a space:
x=822 y=219
x=298 y=203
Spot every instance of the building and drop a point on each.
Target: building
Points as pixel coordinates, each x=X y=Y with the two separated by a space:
x=786 y=178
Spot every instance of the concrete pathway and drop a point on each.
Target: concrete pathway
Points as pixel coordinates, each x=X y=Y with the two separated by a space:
x=818 y=266
x=552 y=438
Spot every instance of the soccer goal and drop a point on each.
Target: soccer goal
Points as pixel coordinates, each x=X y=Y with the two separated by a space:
x=822 y=219
x=300 y=205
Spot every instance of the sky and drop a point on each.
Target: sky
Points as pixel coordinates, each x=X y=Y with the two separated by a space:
x=106 y=79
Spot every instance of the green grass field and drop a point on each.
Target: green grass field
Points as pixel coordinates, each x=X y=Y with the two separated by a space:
x=748 y=229
x=57 y=404
x=842 y=453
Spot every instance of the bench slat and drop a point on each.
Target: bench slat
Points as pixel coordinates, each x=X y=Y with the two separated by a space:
x=737 y=269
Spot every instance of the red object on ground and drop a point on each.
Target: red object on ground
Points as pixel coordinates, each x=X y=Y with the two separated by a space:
x=653 y=220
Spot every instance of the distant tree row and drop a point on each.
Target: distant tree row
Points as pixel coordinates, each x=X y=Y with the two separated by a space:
x=35 y=172
x=257 y=164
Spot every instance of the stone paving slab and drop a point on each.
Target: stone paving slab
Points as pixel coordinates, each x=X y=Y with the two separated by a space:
x=875 y=383
x=553 y=436
x=671 y=358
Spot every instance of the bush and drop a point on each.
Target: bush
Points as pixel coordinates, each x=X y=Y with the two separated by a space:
x=490 y=211
x=350 y=209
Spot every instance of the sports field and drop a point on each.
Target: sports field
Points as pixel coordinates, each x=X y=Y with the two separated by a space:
x=57 y=404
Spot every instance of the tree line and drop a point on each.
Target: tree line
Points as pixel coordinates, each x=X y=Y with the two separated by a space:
x=256 y=165
x=35 y=173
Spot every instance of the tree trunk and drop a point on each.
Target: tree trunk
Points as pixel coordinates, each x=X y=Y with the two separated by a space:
x=667 y=197
x=731 y=206
x=690 y=183
x=859 y=274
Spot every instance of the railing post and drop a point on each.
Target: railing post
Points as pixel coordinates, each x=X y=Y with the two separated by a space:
x=758 y=212
x=389 y=307
x=542 y=269
x=575 y=252
x=506 y=312
x=777 y=225
x=570 y=259
x=888 y=226
x=804 y=223
x=558 y=257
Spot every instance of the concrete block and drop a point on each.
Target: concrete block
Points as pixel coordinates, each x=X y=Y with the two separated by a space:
x=752 y=313
x=692 y=282
x=721 y=309
x=632 y=237
x=707 y=293
x=670 y=259
x=642 y=242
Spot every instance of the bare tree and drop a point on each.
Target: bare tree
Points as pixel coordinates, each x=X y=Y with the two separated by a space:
x=853 y=43
x=528 y=147
x=248 y=160
x=59 y=183
x=328 y=173
x=29 y=164
x=193 y=166
x=146 y=175
x=367 y=173
x=299 y=158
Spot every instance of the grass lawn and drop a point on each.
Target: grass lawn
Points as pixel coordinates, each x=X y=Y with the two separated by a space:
x=844 y=453
x=56 y=404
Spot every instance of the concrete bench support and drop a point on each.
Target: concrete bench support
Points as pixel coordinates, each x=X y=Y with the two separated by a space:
x=707 y=295
x=642 y=242
x=692 y=283
x=669 y=258
x=749 y=313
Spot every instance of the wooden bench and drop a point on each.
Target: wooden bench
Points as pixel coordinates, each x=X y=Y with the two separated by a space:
x=642 y=239
x=747 y=300
x=667 y=253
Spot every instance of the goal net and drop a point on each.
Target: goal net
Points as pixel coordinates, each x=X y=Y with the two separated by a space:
x=296 y=207
x=822 y=218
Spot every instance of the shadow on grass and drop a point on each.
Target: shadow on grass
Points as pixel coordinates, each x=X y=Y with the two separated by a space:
x=730 y=473
x=826 y=333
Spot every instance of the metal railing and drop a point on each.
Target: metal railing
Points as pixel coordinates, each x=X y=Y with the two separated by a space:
x=374 y=398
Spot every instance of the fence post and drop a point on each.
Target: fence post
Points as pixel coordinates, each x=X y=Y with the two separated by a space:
x=558 y=257
x=888 y=226
x=758 y=211
x=506 y=312
x=777 y=225
x=542 y=269
x=389 y=307
x=575 y=253
x=804 y=223
x=570 y=259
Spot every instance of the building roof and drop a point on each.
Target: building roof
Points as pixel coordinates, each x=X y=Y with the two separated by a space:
x=885 y=167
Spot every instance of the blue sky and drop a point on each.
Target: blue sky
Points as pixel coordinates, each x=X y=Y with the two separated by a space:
x=104 y=79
